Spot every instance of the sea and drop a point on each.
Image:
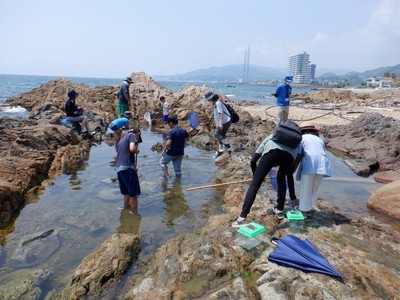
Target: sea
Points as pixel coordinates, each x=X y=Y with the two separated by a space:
x=12 y=85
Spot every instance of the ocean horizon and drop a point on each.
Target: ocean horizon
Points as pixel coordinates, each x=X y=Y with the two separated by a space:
x=13 y=85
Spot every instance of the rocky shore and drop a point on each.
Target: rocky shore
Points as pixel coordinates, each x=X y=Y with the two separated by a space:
x=209 y=263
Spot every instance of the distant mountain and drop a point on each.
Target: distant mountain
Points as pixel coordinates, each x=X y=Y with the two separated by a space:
x=234 y=73
x=358 y=77
x=319 y=72
x=230 y=73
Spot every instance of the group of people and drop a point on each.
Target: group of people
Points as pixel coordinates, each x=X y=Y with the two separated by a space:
x=128 y=149
x=309 y=158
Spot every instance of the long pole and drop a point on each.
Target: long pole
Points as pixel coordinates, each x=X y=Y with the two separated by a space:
x=249 y=180
x=218 y=184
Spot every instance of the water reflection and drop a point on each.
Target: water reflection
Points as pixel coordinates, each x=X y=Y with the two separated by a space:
x=175 y=203
x=129 y=222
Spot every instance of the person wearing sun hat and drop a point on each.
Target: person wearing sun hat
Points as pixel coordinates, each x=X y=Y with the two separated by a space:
x=313 y=165
x=75 y=114
x=282 y=94
x=124 y=98
x=222 y=120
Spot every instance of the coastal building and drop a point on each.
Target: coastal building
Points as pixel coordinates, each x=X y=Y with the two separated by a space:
x=301 y=68
x=379 y=82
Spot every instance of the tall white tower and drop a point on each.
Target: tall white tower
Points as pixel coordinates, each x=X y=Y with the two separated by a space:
x=246 y=65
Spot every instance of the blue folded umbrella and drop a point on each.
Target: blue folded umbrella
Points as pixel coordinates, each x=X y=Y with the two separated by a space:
x=293 y=252
x=193 y=120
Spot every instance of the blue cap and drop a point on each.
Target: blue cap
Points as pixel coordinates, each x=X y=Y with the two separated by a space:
x=289 y=78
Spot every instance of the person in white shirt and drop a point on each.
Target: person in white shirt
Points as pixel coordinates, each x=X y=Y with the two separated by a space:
x=314 y=166
x=165 y=106
x=222 y=120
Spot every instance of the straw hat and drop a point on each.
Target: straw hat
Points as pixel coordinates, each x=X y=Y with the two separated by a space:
x=308 y=126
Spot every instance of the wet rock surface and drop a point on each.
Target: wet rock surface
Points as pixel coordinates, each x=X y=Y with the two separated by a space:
x=103 y=267
x=23 y=284
x=34 y=249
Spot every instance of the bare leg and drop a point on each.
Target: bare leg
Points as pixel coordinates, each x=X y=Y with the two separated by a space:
x=165 y=169
x=118 y=132
x=126 y=201
x=133 y=203
x=85 y=124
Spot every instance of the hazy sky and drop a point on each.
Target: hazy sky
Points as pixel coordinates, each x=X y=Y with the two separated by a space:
x=113 y=38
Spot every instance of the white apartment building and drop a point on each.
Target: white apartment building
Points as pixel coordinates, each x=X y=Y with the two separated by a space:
x=301 y=68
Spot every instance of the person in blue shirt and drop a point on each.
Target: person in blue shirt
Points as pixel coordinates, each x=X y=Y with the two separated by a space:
x=174 y=147
x=314 y=165
x=124 y=98
x=126 y=169
x=118 y=124
x=270 y=154
x=282 y=94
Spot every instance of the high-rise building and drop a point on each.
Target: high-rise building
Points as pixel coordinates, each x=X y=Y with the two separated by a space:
x=301 y=68
x=246 y=65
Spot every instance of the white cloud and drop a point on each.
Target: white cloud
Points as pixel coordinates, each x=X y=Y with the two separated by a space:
x=319 y=37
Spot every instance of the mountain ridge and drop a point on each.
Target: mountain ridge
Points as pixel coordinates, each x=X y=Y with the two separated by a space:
x=257 y=73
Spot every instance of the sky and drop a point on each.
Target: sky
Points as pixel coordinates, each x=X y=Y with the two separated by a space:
x=114 y=38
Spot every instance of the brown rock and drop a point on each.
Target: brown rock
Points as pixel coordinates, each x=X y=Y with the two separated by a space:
x=386 y=199
x=103 y=267
x=387 y=176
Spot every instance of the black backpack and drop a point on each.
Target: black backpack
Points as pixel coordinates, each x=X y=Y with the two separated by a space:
x=287 y=133
x=232 y=113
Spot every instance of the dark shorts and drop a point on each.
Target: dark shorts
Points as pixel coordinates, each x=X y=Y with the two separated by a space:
x=129 y=182
x=122 y=107
x=113 y=127
x=165 y=118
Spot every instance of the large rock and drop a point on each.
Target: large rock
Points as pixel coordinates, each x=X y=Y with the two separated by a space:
x=386 y=199
x=27 y=151
x=370 y=137
x=103 y=267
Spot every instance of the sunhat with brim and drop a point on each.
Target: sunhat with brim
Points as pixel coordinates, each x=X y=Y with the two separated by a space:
x=128 y=79
x=127 y=114
x=308 y=126
x=209 y=95
x=72 y=94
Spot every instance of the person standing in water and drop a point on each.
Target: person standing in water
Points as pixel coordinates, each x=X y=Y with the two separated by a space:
x=126 y=168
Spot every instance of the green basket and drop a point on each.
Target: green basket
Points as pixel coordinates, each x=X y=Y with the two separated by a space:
x=294 y=215
x=251 y=230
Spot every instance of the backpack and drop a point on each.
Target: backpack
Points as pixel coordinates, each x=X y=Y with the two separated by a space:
x=287 y=133
x=232 y=113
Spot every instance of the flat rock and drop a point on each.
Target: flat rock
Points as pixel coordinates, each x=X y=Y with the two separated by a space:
x=386 y=199
x=387 y=176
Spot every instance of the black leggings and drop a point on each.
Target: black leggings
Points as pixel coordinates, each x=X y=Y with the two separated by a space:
x=274 y=157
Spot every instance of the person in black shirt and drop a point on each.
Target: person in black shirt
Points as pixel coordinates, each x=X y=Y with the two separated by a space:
x=75 y=113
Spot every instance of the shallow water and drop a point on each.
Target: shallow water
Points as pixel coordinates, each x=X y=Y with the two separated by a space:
x=84 y=207
x=346 y=190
